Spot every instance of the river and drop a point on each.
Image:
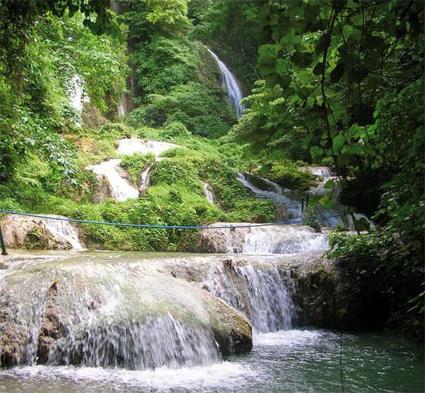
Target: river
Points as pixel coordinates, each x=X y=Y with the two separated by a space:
x=280 y=362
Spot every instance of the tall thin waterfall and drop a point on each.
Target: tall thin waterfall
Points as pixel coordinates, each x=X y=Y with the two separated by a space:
x=231 y=86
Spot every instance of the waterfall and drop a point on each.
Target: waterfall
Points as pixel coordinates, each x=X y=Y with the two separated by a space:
x=100 y=313
x=283 y=240
x=260 y=292
x=76 y=93
x=120 y=188
x=285 y=203
x=209 y=193
x=155 y=342
x=77 y=96
x=262 y=240
x=145 y=178
x=54 y=234
x=231 y=86
x=63 y=231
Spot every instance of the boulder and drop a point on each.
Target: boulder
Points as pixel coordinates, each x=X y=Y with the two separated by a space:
x=108 y=313
x=40 y=233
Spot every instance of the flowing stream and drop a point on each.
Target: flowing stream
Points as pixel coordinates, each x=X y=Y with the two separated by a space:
x=231 y=86
x=168 y=351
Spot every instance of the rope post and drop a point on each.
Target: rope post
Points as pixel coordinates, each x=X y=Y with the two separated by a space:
x=2 y=243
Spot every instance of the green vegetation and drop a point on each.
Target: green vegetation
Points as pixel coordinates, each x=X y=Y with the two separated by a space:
x=336 y=83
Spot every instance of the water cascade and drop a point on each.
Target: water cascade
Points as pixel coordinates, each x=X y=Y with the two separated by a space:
x=145 y=178
x=120 y=188
x=98 y=313
x=129 y=146
x=287 y=205
x=117 y=183
x=209 y=193
x=262 y=240
x=260 y=292
x=231 y=86
x=77 y=96
x=54 y=234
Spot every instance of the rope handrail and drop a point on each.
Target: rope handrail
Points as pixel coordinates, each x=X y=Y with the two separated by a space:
x=156 y=226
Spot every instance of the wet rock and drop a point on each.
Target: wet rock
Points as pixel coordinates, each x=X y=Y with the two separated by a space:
x=50 y=329
x=102 y=191
x=107 y=314
x=39 y=233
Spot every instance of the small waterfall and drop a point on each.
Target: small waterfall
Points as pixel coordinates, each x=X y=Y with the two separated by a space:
x=100 y=313
x=325 y=174
x=120 y=188
x=286 y=204
x=260 y=292
x=121 y=110
x=55 y=234
x=209 y=193
x=284 y=240
x=145 y=178
x=229 y=83
x=262 y=240
x=76 y=93
x=155 y=342
x=64 y=232
x=77 y=96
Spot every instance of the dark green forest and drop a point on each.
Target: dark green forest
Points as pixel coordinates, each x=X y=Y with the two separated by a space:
x=335 y=83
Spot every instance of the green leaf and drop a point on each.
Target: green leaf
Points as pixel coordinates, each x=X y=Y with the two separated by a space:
x=329 y=184
x=316 y=152
x=338 y=142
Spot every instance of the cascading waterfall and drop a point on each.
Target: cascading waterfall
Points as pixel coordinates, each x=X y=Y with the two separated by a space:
x=262 y=239
x=286 y=204
x=120 y=188
x=64 y=231
x=103 y=314
x=155 y=342
x=285 y=239
x=260 y=292
x=57 y=233
x=145 y=178
x=231 y=86
x=77 y=96
x=129 y=146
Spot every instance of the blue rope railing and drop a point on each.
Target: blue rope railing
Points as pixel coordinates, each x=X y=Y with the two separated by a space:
x=157 y=226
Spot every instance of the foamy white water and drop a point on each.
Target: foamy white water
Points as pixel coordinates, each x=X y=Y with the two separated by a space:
x=231 y=86
x=287 y=338
x=64 y=231
x=120 y=188
x=129 y=146
x=275 y=193
x=165 y=379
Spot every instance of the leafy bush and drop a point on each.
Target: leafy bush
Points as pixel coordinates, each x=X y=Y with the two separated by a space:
x=288 y=174
x=175 y=130
x=135 y=164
